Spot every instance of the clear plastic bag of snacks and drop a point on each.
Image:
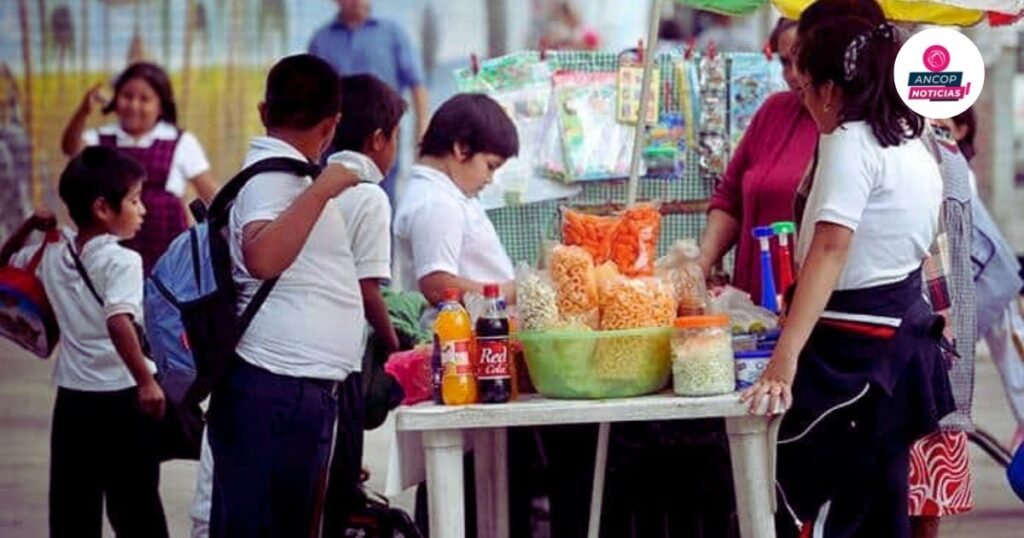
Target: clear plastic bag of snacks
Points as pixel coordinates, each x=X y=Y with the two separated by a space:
x=536 y=299
x=681 y=269
x=594 y=233
x=635 y=245
x=572 y=271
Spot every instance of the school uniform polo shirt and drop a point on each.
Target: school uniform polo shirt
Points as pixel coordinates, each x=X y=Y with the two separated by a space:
x=367 y=213
x=312 y=323
x=86 y=357
x=440 y=229
x=889 y=197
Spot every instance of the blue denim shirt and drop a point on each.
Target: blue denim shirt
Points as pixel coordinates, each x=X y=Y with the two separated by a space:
x=378 y=47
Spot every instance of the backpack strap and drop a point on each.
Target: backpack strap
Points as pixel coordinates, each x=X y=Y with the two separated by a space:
x=221 y=205
x=84 y=274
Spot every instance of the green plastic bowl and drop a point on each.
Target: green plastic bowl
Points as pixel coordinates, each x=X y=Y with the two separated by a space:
x=598 y=364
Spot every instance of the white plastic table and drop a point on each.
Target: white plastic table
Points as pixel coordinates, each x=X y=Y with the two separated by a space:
x=751 y=442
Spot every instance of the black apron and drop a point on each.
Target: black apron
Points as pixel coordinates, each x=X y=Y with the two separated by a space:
x=871 y=380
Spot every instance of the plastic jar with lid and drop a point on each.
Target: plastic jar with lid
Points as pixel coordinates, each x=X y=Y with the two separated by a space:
x=702 y=356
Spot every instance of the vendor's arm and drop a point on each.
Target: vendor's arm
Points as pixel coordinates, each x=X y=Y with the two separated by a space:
x=821 y=270
x=719 y=236
x=271 y=246
x=377 y=314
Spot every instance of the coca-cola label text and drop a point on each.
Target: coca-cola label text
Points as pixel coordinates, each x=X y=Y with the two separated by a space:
x=493 y=358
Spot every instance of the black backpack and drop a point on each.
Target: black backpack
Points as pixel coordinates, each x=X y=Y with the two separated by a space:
x=190 y=303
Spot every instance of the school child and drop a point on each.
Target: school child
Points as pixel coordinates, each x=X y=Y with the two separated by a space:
x=366 y=136
x=443 y=238
x=858 y=365
x=367 y=140
x=108 y=403
x=271 y=419
x=147 y=130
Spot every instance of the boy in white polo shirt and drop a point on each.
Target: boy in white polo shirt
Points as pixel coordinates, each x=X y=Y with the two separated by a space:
x=366 y=141
x=443 y=237
x=272 y=418
x=108 y=403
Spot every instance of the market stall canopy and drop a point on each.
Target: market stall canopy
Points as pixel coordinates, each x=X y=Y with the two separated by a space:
x=944 y=12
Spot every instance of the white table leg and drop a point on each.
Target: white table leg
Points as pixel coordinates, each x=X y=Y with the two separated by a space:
x=751 y=470
x=443 y=451
x=597 y=492
x=490 y=448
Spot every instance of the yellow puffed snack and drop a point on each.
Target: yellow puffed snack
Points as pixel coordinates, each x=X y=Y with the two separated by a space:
x=572 y=270
x=635 y=303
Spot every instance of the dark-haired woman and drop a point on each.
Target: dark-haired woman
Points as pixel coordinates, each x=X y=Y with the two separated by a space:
x=858 y=365
x=762 y=177
x=146 y=129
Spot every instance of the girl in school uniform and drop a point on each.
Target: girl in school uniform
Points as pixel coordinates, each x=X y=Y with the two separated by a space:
x=146 y=129
x=858 y=365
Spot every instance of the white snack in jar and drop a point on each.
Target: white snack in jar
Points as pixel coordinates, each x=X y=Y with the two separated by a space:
x=702 y=363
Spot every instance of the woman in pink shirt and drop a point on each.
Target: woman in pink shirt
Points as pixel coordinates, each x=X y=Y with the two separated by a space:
x=761 y=180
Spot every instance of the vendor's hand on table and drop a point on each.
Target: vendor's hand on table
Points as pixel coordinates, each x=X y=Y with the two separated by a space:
x=773 y=393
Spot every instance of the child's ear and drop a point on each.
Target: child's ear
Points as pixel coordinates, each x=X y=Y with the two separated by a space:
x=101 y=210
x=379 y=140
x=461 y=151
x=262 y=107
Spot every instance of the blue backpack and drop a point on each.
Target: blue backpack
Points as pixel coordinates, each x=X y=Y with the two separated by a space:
x=190 y=304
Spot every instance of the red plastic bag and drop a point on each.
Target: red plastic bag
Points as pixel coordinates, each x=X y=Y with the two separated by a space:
x=412 y=371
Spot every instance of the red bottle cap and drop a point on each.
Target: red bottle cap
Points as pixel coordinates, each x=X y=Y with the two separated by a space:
x=491 y=291
x=451 y=294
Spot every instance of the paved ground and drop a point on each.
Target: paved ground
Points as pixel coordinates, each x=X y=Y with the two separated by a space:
x=26 y=400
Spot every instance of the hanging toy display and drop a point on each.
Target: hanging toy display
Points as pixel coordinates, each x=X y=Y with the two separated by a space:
x=714 y=113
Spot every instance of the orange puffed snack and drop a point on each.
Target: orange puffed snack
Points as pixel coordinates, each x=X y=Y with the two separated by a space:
x=593 y=233
x=634 y=246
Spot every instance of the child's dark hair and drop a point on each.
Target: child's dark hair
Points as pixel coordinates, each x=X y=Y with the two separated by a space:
x=967 y=119
x=97 y=172
x=367 y=104
x=869 y=89
x=825 y=10
x=782 y=26
x=302 y=90
x=474 y=121
x=157 y=78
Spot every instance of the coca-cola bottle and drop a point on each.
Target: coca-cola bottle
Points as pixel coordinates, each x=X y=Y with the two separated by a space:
x=492 y=340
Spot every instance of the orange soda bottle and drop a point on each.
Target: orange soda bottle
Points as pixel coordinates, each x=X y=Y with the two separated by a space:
x=454 y=331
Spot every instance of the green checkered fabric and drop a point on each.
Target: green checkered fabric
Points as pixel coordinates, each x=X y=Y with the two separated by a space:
x=523 y=228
